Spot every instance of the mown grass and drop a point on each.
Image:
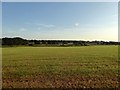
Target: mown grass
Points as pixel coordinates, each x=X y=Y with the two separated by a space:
x=20 y=62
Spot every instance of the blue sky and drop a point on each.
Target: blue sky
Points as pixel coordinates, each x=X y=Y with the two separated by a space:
x=50 y=20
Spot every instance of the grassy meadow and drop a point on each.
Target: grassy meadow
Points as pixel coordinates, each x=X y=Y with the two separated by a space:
x=66 y=67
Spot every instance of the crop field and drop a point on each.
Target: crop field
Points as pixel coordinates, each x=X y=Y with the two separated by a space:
x=60 y=67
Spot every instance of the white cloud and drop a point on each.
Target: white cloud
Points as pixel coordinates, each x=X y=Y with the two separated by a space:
x=42 y=25
x=22 y=29
x=46 y=25
x=77 y=24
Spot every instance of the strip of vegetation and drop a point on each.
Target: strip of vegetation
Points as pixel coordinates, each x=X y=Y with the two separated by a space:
x=17 y=41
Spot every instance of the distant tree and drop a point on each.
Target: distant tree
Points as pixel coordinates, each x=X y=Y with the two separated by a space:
x=21 y=41
x=14 y=41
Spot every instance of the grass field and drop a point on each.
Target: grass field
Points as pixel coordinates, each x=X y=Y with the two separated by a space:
x=67 y=67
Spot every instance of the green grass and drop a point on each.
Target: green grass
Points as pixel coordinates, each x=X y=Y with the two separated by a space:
x=21 y=62
x=56 y=67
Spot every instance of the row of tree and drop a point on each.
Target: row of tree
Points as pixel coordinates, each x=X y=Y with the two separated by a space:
x=14 y=41
x=21 y=41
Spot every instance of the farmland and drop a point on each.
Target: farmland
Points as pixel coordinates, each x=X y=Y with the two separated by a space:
x=66 y=67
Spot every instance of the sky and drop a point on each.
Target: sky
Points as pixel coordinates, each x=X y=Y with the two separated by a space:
x=0 y=19
x=61 y=20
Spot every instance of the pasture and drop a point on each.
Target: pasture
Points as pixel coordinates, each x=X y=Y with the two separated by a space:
x=66 y=67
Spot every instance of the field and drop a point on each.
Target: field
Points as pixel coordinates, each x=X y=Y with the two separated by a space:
x=66 y=67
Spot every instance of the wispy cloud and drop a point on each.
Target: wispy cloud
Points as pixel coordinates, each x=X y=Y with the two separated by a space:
x=28 y=23
x=77 y=24
x=46 y=25
x=22 y=29
x=42 y=25
x=39 y=28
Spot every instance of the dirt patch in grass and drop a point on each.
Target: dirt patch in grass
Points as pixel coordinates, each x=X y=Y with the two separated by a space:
x=58 y=81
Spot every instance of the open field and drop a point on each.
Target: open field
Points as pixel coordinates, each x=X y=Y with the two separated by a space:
x=67 y=67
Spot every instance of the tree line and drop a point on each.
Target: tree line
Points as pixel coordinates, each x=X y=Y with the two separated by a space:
x=20 y=41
